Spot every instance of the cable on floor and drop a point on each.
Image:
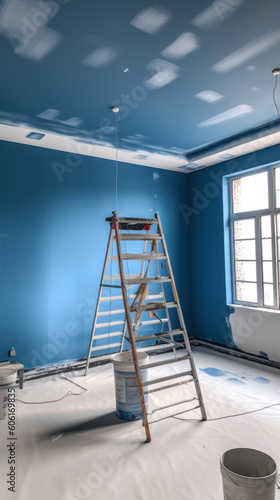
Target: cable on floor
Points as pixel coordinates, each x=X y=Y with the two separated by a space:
x=227 y=416
x=69 y=393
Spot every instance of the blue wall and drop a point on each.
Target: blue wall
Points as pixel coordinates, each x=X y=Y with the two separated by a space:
x=203 y=214
x=53 y=238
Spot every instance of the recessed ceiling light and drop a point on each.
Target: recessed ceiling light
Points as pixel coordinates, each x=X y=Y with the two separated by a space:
x=35 y=135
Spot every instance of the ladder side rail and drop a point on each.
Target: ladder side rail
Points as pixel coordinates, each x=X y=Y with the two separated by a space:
x=164 y=298
x=181 y=319
x=98 y=299
x=130 y=329
x=135 y=329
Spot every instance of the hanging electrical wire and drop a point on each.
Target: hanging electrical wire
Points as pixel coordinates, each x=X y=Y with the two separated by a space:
x=275 y=72
x=116 y=110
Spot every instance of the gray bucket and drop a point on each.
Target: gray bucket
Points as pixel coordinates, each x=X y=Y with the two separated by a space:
x=128 y=403
x=248 y=475
x=7 y=379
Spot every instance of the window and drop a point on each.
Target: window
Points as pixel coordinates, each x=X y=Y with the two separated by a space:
x=255 y=238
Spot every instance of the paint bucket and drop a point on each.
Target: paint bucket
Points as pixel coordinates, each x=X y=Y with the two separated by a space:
x=128 y=405
x=248 y=475
x=7 y=379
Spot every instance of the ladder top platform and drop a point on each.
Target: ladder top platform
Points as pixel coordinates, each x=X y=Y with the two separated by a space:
x=132 y=223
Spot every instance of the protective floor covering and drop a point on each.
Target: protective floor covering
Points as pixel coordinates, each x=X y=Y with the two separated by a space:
x=77 y=449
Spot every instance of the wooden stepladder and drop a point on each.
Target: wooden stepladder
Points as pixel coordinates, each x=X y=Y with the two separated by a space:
x=150 y=292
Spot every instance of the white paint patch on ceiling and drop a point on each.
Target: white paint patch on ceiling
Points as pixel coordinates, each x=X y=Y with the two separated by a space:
x=181 y=47
x=100 y=57
x=163 y=72
x=151 y=20
x=246 y=53
x=36 y=48
x=24 y=23
x=49 y=114
x=73 y=122
x=209 y=95
x=216 y=13
x=242 y=109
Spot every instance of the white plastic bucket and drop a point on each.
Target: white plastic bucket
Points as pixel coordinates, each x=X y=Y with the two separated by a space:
x=128 y=405
x=248 y=475
x=7 y=378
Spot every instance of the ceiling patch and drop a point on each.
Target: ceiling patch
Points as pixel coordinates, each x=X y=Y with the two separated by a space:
x=209 y=95
x=100 y=57
x=181 y=47
x=73 y=122
x=242 y=109
x=252 y=49
x=36 y=48
x=151 y=20
x=49 y=114
x=216 y=13
x=163 y=73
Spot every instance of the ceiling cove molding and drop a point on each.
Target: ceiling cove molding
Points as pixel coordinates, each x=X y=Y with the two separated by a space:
x=233 y=147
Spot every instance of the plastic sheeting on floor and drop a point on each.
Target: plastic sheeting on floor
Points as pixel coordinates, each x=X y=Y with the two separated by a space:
x=77 y=449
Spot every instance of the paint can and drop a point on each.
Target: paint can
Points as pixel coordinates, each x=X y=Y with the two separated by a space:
x=7 y=379
x=128 y=405
x=248 y=475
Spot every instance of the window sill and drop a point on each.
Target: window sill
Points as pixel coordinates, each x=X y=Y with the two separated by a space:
x=252 y=308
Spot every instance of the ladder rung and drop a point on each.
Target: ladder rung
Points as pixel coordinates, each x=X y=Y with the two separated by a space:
x=152 y=322
x=164 y=379
x=113 y=311
x=172 y=404
x=117 y=277
x=164 y=362
x=140 y=256
x=155 y=336
x=162 y=387
x=106 y=335
x=111 y=323
x=101 y=347
x=152 y=306
x=136 y=236
x=131 y=296
x=140 y=281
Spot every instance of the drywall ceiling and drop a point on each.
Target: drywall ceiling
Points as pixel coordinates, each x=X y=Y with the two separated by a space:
x=184 y=75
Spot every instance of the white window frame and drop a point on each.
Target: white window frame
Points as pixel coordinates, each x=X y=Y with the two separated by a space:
x=256 y=215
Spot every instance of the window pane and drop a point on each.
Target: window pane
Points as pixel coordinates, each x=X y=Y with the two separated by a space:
x=277 y=186
x=278 y=224
x=245 y=271
x=266 y=250
x=266 y=226
x=246 y=292
x=245 y=250
x=244 y=229
x=267 y=272
x=268 y=295
x=250 y=193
